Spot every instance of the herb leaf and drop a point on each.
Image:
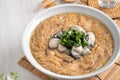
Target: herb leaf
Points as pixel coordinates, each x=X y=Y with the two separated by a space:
x=73 y=38
x=1 y=76
x=14 y=75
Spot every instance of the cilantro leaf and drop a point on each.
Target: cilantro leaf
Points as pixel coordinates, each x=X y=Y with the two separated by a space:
x=73 y=38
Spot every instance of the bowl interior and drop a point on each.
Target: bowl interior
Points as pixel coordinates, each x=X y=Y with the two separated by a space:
x=78 y=9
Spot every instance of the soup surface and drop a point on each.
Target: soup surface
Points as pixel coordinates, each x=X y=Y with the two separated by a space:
x=61 y=63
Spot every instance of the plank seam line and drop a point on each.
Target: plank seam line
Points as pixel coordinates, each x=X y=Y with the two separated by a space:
x=98 y=77
x=117 y=64
x=117 y=18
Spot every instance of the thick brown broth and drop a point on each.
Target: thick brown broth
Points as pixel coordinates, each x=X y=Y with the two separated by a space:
x=62 y=63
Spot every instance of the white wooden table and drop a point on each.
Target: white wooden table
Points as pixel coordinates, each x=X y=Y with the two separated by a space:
x=14 y=16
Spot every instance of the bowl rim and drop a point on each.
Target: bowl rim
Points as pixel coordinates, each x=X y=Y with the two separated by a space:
x=50 y=73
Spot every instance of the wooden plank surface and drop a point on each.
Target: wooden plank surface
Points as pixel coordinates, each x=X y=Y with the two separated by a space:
x=105 y=73
x=114 y=74
x=92 y=78
x=118 y=61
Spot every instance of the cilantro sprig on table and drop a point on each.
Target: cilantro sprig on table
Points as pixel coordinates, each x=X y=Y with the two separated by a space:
x=73 y=38
x=12 y=74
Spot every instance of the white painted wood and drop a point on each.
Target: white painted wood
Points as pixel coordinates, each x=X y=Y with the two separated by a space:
x=14 y=16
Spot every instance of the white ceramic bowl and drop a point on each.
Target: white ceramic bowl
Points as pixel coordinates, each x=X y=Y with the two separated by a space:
x=71 y=8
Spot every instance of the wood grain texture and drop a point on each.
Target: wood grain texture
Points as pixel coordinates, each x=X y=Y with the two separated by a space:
x=117 y=22
x=14 y=17
x=114 y=74
x=92 y=78
x=105 y=73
